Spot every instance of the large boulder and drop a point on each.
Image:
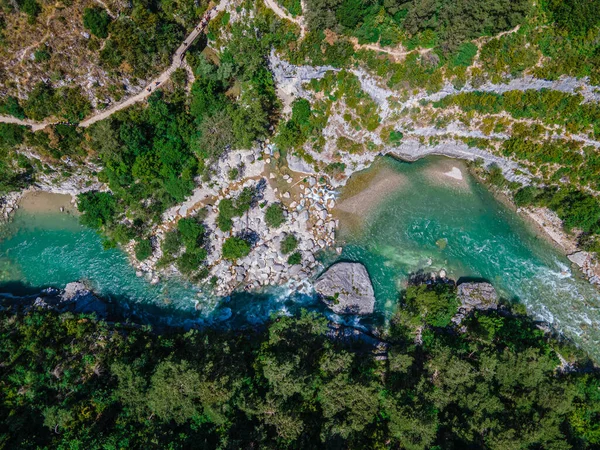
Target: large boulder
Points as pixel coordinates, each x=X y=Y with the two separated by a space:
x=477 y=296
x=346 y=289
x=297 y=164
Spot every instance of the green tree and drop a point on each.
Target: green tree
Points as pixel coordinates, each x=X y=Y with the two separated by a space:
x=274 y=215
x=235 y=248
x=97 y=208
x=96 y=20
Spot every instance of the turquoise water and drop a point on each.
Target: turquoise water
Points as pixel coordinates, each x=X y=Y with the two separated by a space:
x=428 y=222
x=44 y=250
x=431 y=222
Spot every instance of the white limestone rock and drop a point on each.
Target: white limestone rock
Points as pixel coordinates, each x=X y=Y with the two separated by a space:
x=346 y=289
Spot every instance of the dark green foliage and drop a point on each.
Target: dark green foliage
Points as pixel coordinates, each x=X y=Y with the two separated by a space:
x=235 y=248
x=71 y=380
x=42 y=55
x=143 y=249
x=171 y=244
x=14 y=168
x=289 y=244
x=97 y=208
x=96 y=20
x=575 y=16
x=66 y=102
x=191 y=232
x=191 y=260
x=274 y=215
x=10 y=106
x=230 y=208
x=447 y=23
x=30 y=7
x=436 y=304
x=464 y=55
x=144 y=37
x=295 y=258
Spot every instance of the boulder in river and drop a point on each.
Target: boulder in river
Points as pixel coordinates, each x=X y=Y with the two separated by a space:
x=75 y=298
x=346 y=289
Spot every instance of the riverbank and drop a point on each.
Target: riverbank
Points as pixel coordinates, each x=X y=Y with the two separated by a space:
x=548 y=226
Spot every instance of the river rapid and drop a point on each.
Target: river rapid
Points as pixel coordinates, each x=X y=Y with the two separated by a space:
x=396 y=218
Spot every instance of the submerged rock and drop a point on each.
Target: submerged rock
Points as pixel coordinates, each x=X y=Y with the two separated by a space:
x=346 y=289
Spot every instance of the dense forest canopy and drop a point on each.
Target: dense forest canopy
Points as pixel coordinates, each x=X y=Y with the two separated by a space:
x=74 y=381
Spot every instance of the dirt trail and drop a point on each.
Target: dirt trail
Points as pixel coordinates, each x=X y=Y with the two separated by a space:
x=278 y=10
x=177 y=61
x=399 y=53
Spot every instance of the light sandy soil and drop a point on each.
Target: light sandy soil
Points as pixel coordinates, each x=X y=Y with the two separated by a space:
x=550 y=225
x=46 y=202
x=448 y=173
x=363 y=193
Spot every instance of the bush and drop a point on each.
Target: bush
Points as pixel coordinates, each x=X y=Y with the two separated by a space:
x=235 y=248
x=274 y=215
x=191 y=261
x=526 y=196
x=191 y=232
x=289 y=244
x=41 y=55
x=171 y=244
x=31 y=8
x=295 y=258
x=96 y=20
x=143 y=249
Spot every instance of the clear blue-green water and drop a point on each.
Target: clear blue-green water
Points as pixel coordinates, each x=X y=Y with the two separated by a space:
x=431 y=222
x=428 y=222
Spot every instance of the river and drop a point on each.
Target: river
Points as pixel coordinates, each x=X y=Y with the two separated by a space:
x=396 y=218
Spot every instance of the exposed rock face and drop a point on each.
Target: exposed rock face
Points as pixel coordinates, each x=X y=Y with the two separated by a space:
x=477 y=296
x=473 y=296
x=299 y=165
x=346 y=289
x=75 y=298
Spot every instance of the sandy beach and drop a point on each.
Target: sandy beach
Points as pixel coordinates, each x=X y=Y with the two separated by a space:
x=449 y=173
x=46 y=202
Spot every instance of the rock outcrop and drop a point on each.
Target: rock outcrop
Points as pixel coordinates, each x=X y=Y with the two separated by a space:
x=474 y=296
x=75 y=298
x=346 y=289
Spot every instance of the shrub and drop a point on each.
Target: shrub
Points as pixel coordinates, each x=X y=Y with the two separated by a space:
x=96 y=20
x=191 y=232
x=191 y=261
x=289 y=244
x=172 y=243
x=295 y=258
x=31 y=8
x=235 y=248
x=274 y=215
x=41 y=55
x=143 y=249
